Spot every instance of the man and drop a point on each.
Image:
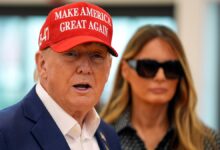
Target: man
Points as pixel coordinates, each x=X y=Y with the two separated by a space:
x=73 y=64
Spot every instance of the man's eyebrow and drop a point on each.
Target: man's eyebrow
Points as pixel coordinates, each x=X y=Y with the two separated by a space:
x=100 y=51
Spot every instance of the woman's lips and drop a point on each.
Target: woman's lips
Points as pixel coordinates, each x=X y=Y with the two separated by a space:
x=158 y=90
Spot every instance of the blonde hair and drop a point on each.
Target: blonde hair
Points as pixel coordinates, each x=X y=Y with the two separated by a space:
x=190 y=130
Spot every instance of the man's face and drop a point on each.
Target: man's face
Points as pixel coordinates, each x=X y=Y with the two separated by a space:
x=75 y=79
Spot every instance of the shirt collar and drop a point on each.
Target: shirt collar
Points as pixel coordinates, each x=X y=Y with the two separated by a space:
x=91 y=124
x=123 y=121
x=66 y=123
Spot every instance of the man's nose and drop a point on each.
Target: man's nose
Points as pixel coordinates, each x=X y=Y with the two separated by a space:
x=84 y=66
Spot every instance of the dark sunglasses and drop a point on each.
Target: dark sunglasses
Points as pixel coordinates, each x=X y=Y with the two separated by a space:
x=148 y=68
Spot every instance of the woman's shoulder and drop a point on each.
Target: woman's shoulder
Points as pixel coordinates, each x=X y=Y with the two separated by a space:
x=212 y=140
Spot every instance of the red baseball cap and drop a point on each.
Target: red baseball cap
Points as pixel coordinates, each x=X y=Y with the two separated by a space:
x=77 y=23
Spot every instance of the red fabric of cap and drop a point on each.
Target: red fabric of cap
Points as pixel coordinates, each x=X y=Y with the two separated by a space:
x=74 y=24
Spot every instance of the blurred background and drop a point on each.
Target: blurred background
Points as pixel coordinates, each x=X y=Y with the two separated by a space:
x=196 y=22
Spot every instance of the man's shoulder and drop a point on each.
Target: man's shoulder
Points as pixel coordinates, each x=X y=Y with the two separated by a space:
x=9 y=114
x=15 y=111
x=106 y=127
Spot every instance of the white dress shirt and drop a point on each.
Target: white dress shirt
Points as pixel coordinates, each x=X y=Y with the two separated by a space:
x=77 y=138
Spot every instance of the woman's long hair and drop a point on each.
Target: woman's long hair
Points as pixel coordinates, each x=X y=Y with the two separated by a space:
x=181 y=111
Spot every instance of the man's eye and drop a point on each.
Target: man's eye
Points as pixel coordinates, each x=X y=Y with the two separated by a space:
x=71 y=54
x=97 y=56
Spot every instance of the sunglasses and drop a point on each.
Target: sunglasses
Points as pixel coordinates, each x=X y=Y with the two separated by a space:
x=148 y=68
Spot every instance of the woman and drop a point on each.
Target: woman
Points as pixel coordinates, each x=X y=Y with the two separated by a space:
x=154 y=99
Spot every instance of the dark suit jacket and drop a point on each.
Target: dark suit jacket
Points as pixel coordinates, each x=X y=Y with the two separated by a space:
x=27 y=125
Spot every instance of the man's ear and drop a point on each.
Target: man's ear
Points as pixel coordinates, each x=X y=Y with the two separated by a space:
x=40 y=63
x=109 y=65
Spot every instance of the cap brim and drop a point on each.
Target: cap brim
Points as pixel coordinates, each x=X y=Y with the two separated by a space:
x=69 y=43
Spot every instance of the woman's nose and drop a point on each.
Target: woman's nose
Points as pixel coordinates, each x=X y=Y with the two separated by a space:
x=160 y=75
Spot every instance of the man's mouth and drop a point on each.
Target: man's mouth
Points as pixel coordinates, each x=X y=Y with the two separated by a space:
x=82 y=86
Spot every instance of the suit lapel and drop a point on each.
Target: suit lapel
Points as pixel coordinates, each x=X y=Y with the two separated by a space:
x=48 y=135
x=101 y=139
x=45 y=130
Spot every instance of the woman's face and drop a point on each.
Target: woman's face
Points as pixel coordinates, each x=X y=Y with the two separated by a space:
x=157 y=89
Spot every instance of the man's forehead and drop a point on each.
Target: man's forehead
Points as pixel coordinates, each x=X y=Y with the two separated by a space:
x=92 y=44
x=90 y=47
